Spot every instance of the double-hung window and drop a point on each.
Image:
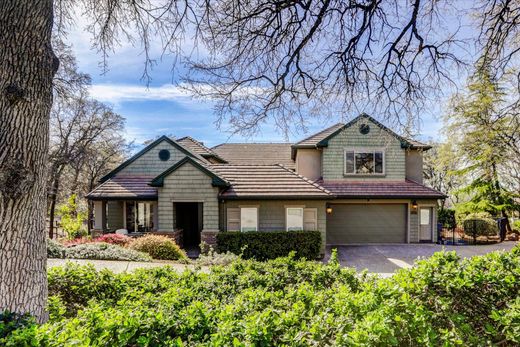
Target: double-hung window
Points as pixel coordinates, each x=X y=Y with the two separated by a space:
x=364 y=162
x=248 y=219
x=294 y=218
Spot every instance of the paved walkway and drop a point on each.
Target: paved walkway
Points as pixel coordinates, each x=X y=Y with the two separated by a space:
x=385 y=259
x=381 y=259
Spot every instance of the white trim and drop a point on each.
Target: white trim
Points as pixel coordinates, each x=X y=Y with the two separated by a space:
x=433 y=223
x=363 y=150
x=287 y=215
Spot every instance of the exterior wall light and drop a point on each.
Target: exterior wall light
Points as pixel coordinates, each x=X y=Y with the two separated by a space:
x=414 y=205
x=329 y=210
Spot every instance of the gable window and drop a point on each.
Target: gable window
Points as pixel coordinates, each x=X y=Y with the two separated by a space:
x=294 y=218
x=248 y=219
x=362 y=162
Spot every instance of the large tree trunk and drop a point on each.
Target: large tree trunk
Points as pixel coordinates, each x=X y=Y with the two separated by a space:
x=27 y=66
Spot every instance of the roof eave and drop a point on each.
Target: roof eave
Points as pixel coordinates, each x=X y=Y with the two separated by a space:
x=276 y=197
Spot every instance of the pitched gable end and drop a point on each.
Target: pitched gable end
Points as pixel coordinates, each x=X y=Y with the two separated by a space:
x=143 y=152
x=215 y=179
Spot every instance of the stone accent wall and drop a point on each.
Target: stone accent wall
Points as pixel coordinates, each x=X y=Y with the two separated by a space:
x=188 y=184
x=115 y=215
x=209 y=237
x=149 y=164
x=271 y=213
x=333 y=155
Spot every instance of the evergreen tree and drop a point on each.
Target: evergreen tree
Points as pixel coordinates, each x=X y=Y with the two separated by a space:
x=476 y=125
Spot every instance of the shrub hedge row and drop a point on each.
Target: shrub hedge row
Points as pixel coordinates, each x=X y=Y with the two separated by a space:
x=442 y=301
x=262 y=245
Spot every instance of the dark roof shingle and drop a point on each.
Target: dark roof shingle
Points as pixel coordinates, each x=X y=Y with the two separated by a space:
x=380 y=189
x=124 y=187
x=198 y=147
x=267 y=181
x=314 y=139
x=256 y=153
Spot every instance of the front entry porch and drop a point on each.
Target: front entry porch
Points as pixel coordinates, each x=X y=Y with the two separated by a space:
x=189 y=220
x=134 y=216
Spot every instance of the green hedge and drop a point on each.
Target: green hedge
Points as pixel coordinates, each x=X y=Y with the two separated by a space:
x=262 y=245
x=441 y=301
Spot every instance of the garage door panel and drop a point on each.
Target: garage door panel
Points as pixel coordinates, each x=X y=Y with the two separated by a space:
x=366 y=223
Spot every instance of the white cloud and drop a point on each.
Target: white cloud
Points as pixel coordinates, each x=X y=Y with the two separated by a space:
x=117 y=93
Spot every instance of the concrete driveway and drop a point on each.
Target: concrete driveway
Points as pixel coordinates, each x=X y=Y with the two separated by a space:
x=385 y=259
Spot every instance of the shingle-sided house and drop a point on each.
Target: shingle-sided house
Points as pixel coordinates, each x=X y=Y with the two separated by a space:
x=357 y=183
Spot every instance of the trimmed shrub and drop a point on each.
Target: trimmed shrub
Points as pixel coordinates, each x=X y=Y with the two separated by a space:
x=104 y=251
x=446 y=217
x=442 y=301
x=516 y=226
x=115 y=239
x=476 y=227
x=55 y=249
x=262 y=245
x=158 y=247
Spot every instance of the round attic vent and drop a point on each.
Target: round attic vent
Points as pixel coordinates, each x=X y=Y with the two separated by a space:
x=364 y=129
x=164 y=154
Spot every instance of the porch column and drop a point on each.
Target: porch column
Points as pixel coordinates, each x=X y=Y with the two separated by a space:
x=100 y=215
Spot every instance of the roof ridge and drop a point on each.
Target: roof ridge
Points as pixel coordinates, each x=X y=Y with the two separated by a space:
x=319 y=132
x=305 y=179
x=252 y=143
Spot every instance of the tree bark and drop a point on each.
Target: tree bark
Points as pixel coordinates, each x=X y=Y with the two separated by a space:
x=27 y=67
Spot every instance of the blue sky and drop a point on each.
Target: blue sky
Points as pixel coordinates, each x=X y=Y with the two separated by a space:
x=164 y=109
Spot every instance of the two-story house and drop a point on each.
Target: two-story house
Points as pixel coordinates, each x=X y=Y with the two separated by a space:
x=357 y=183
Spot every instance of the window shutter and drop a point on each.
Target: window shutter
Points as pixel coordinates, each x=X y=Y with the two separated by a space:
x=233 y=219
x=310 y=219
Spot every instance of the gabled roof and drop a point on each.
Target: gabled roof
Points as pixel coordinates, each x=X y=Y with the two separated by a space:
x=256 y=153
x=199 y=148
x=380 y=189
x=314 y=139
x=321 y=139
x=124 y=188
x=268 y=182
x=405 y=143
x=217 y=181
x=144 y=151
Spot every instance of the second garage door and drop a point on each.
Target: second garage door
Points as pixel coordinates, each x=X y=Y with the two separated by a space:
x=366 y=223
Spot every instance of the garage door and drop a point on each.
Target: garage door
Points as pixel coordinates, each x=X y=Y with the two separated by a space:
x=366 y=223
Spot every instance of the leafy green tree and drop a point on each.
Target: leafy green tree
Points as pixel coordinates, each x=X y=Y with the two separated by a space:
x=477 y=127
x=72 y=218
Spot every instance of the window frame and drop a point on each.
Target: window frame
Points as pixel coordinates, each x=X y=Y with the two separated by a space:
x=241 y=220
x=364 y=150
x=287 y=208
